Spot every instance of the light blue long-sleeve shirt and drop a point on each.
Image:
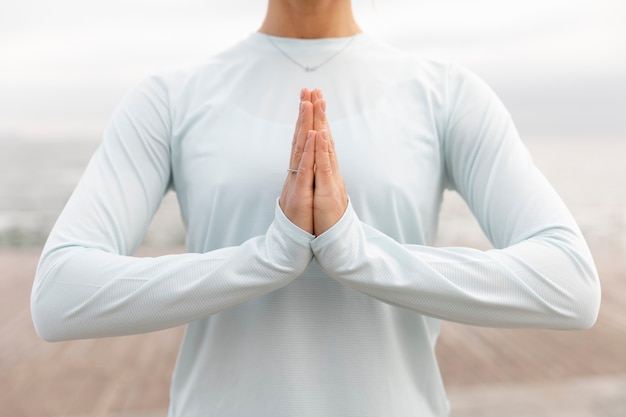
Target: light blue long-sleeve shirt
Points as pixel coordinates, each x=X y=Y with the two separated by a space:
x=282 y=323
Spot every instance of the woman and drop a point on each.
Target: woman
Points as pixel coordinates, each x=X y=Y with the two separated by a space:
x=318 y=294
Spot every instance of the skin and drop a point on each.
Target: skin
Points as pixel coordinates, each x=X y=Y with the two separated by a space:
x=315 y=197
x=310 y=19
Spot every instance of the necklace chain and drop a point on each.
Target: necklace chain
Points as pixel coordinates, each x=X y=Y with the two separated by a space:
x=306 y=67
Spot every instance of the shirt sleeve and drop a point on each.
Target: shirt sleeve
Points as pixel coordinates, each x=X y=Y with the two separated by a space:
x=87 y=283
x=540 y=273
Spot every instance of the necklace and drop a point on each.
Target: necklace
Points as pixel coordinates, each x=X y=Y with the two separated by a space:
x=313 y=67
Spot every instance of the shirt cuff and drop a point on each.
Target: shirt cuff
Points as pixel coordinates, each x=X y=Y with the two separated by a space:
x=289 y=229
x=340 y=230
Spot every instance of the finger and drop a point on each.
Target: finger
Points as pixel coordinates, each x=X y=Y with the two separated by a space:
x=305 y=95
x=316 y=95
x=305 y=123
x=323 y=168
x=332 y=154
x=320 y=121
x=306 y=170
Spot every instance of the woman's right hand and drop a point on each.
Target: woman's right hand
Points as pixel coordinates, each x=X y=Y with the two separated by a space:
x=296 y=199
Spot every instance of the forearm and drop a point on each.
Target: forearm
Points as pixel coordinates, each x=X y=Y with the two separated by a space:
x=83 y=292
x=546 y=281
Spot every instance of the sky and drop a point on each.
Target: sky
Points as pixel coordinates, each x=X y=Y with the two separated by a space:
x=558 y=65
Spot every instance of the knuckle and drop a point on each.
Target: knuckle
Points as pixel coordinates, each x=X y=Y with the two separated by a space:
x=325 y=170
x=296 y=155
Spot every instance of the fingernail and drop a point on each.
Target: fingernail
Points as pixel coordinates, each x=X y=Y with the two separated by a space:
x=323 y=105
x=302 y=94
x=302 y=107
x=320 y=93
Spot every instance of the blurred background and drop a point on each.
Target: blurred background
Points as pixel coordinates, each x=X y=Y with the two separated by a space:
x=558 y=65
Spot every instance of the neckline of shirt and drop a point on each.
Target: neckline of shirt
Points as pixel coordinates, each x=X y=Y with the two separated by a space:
x=298 y=45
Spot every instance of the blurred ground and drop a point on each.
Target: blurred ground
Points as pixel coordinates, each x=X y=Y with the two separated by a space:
x=488 y=372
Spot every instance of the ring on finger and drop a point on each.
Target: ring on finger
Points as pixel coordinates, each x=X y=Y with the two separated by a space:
x=293 y=171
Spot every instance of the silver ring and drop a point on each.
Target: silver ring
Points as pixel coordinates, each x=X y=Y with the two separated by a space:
x=293 y=171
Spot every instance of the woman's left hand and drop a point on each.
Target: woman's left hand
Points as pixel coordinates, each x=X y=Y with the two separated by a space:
x=330 y=199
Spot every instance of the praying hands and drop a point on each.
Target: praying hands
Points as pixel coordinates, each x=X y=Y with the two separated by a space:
x=314 y=196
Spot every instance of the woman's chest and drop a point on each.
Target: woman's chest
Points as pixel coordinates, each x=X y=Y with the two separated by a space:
x=227 y=160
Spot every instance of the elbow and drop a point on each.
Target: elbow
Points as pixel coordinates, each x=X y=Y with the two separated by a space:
x=584 y=307
x=584 y=319
x=578 y=292
x=48 y=309
x=46 y=326
x=43 y=329
x=45 y=334
x=41 y=313
x=586 y=322
x=589 y=309
x=588 y=299
x=48 y=314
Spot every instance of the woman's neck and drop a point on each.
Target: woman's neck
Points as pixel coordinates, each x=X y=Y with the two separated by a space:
x=309 y=19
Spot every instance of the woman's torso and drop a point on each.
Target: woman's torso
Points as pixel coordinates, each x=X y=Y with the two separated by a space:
x=314 y=347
